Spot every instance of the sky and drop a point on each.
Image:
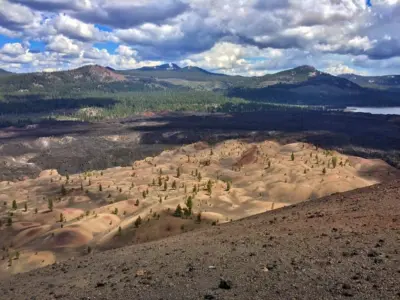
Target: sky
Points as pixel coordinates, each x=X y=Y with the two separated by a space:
x=244 y=37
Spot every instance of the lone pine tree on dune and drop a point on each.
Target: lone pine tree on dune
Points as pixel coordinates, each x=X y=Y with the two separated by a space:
x=50 y=204
x=14 y=205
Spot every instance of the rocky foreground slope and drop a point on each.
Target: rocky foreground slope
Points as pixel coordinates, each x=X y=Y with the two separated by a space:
x=53 y=218
x=338 y=247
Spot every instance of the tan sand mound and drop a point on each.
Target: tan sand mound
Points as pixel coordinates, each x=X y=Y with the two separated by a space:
x=294 y=147
x=24 y=225
x=248 y=157
x=28 y=235
x=4 y=198
x=48 y=173
x=28 y=261
x=100 y=224
x=68 y=238
x=226 y=181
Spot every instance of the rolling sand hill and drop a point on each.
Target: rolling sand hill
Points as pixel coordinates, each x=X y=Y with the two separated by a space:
x=100 y=210
x=343 y=246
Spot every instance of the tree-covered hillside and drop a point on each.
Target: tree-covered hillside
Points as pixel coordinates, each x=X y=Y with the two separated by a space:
x=170 y=88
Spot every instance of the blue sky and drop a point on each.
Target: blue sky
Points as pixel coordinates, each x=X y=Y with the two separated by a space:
x=251 y=37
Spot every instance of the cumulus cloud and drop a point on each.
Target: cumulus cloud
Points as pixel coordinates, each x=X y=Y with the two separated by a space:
x=12 y=49
x=340 y=69
x=15 y=53
x=62 y=44
x=17 y=17
x=54 y=5
x=237 y=37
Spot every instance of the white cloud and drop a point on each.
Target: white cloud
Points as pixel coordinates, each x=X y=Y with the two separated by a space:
x=12 y=49
x=14 y=16
x=76 y=29
x=340 y=69
x=238 y=37
x=126 y=51
x=62 y=44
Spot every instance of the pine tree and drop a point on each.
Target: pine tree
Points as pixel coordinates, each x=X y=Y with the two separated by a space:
x=9 y=221
x=198 y=217
x=189 y=204
x=119 y=231
x=209 y=187
x=14 y=205
x=154 y=182
x=334 y=161
x=61 y=218
x=50 y=204
x=144 y=194
x=138 y=222
x=292 y=156
x=178 y=172
x=137 y=202
x=100 y=188
x=63 y=190
x=178 y=211
x=174 y=185
x=159 y=181
x=324 y=171
x=199 y=176
x=81 y=186
x=165 y=186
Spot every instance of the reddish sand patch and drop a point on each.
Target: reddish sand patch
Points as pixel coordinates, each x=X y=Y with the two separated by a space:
x=148 y=114
x=28 y=235
x=200 y=146
x=24 y=225
x=248 y=157
x=68 y=238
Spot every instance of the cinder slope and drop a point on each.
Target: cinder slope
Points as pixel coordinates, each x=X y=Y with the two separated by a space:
x=341 y=246
x=93 y=209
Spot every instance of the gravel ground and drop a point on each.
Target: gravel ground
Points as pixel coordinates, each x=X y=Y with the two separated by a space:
x=339 y=247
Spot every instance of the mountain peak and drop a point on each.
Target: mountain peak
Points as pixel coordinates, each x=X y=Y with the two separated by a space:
x=164 y=67
x=99 y=73
x=4 y=72
x=305 y=68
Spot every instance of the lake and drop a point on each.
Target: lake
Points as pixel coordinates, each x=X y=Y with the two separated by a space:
x=375 y=110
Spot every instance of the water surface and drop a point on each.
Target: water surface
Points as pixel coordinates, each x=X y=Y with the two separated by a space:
x=376 y=110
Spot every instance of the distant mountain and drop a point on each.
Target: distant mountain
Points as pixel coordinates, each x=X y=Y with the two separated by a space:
x=387 y=82
x=96 y=73
x=301 y=85
x=303 y=75
x=194 y=69
x=80 y=80
x=164 y=67
x=4 y=72
x=306 y=85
